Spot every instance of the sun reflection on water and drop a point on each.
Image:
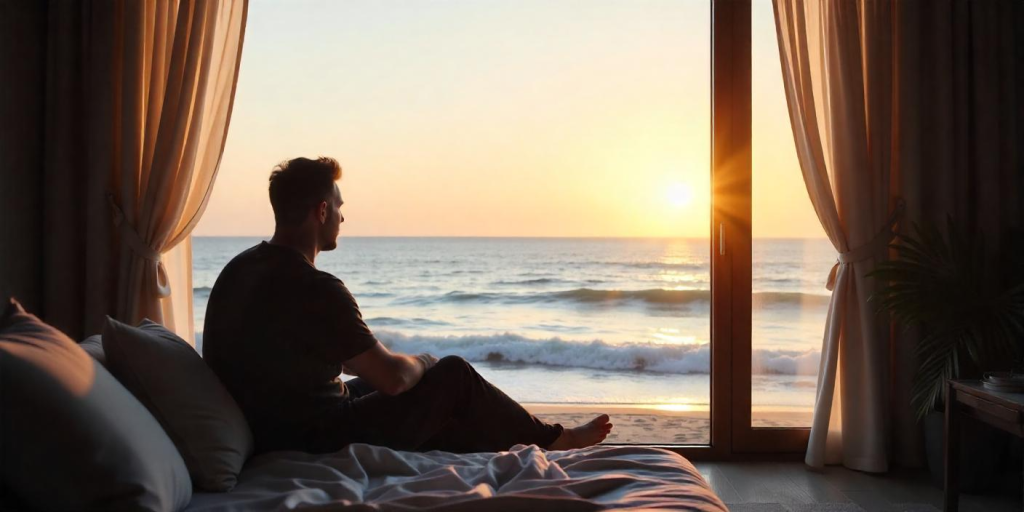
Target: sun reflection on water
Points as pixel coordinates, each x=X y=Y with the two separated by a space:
x=679 y=407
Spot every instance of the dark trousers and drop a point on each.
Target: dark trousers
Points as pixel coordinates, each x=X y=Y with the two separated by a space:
x=452 y=408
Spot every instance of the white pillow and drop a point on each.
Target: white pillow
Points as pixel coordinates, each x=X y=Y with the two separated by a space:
x=170 y=378
x=71 y=436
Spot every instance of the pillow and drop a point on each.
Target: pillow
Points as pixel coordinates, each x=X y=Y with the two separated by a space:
x=93 y=345
x=72 y=437
x=167 y=375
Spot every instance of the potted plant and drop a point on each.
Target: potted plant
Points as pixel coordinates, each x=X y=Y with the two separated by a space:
x=967 y=307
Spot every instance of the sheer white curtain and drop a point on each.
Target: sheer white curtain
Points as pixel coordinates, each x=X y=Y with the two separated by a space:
x=175 y=66
x=837 y=71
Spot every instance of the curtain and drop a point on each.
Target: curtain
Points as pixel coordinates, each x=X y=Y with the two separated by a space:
x=837 y=72
x=961 y=67
x=960 y=114
x=921 y=101
x=22 y=55
x=122 y=111
x=175 y=69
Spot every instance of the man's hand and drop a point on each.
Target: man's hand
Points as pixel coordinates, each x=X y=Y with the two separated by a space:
x=390 y=373
x=428 y=360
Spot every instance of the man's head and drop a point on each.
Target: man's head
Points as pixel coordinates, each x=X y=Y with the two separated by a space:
x=306 y=199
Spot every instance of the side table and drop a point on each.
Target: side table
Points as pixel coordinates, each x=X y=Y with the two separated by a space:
x=968 y=398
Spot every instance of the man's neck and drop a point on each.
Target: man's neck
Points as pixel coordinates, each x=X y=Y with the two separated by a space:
x=306 y=245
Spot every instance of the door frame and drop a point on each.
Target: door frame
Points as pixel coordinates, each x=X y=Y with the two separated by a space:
x=732 y=175
x=732 y=436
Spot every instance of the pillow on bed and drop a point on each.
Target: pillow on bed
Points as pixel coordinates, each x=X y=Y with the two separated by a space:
x=71 y=436
x=187 y=398
x=93 y=345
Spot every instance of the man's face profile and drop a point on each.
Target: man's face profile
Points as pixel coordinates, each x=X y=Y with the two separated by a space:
x=331 y=227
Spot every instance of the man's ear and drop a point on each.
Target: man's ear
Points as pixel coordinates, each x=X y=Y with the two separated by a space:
x=321 y=211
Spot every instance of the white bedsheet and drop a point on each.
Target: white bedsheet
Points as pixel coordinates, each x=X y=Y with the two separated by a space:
x=365 y=477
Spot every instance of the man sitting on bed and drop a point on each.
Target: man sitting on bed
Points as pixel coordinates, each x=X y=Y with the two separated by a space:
x=279 y=332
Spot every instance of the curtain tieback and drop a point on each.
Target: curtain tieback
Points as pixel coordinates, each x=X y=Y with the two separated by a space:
x=131 y=238
x=872 y=247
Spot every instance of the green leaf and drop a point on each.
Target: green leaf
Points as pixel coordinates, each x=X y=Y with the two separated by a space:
x=941 y=283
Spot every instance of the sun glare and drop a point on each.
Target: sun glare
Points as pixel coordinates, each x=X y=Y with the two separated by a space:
x=680 y=194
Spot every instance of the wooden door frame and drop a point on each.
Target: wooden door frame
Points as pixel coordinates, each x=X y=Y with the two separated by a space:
x=732 y=436
x=730 y=171
x=733 y=162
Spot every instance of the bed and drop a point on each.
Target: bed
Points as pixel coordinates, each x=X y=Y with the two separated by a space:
x=365 y=477
x=135 y=420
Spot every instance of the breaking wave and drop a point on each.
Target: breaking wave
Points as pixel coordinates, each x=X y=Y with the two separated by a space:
x=596 y=354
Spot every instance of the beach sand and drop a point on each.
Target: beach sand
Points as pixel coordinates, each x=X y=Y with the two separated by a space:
x=646 y=424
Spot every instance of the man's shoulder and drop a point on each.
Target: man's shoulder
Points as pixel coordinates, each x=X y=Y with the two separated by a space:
x=263 y=255
x=254 y=271
x=244 y=258
x=330 y=285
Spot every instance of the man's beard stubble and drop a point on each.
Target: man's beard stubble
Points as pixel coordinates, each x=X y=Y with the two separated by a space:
x=330 y=242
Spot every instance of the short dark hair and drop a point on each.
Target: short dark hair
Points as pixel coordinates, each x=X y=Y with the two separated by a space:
x=298 y=185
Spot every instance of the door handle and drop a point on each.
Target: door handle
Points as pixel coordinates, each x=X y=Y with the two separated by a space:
x=721 y=238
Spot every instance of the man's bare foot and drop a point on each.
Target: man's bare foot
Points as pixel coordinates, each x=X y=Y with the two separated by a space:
x=585 y=435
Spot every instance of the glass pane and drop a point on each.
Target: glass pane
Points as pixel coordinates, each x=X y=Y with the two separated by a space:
x=791 y=257
x=526 y=186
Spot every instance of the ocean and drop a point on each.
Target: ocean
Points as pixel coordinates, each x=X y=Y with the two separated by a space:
x=574 y=320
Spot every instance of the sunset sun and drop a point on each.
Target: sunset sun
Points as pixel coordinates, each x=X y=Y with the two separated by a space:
x=679 y=194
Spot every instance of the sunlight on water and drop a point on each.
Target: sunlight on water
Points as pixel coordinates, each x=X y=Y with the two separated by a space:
x=679 y=407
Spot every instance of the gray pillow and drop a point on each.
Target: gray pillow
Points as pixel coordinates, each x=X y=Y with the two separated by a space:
x=167 y=375
x=93 y=345
x=72 y=437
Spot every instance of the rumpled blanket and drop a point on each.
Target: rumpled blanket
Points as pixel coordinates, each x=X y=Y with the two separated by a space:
x=362 y=477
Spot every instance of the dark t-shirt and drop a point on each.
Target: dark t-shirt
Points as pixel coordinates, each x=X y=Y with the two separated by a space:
x=277 y=332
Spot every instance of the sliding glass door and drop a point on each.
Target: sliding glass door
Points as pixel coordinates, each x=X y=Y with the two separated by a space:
x=774 y=257
x=527 y=185
x=790 y=256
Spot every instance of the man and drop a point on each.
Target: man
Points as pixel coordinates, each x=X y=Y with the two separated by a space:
x=279 y=332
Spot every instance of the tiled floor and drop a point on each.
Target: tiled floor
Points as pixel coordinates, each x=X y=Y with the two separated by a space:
x=791 y=483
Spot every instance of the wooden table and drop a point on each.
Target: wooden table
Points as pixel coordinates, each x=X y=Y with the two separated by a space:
x=968 y=398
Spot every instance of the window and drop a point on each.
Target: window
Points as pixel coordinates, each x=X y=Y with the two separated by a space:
x=597 y=203
x=790 y=255
x=526 y=185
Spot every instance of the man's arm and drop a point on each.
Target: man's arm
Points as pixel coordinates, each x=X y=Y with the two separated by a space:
x=388 y=372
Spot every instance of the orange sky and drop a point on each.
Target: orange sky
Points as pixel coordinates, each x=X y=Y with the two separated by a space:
x=500 y=118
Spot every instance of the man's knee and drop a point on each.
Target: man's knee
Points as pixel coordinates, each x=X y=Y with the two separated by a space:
x=450 y=371
x=453 y=363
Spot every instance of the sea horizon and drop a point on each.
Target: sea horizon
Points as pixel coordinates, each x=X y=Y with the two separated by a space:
x=532 y=237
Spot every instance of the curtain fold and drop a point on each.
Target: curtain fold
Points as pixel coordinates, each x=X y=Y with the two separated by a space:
x=22 y=55
x=837 y=73
x=174 y=67
x=959 y=108
x=133 y=118
x=961 y=75
x=888 y=99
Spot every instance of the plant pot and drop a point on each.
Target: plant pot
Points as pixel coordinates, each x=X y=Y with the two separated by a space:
x=981 y=448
